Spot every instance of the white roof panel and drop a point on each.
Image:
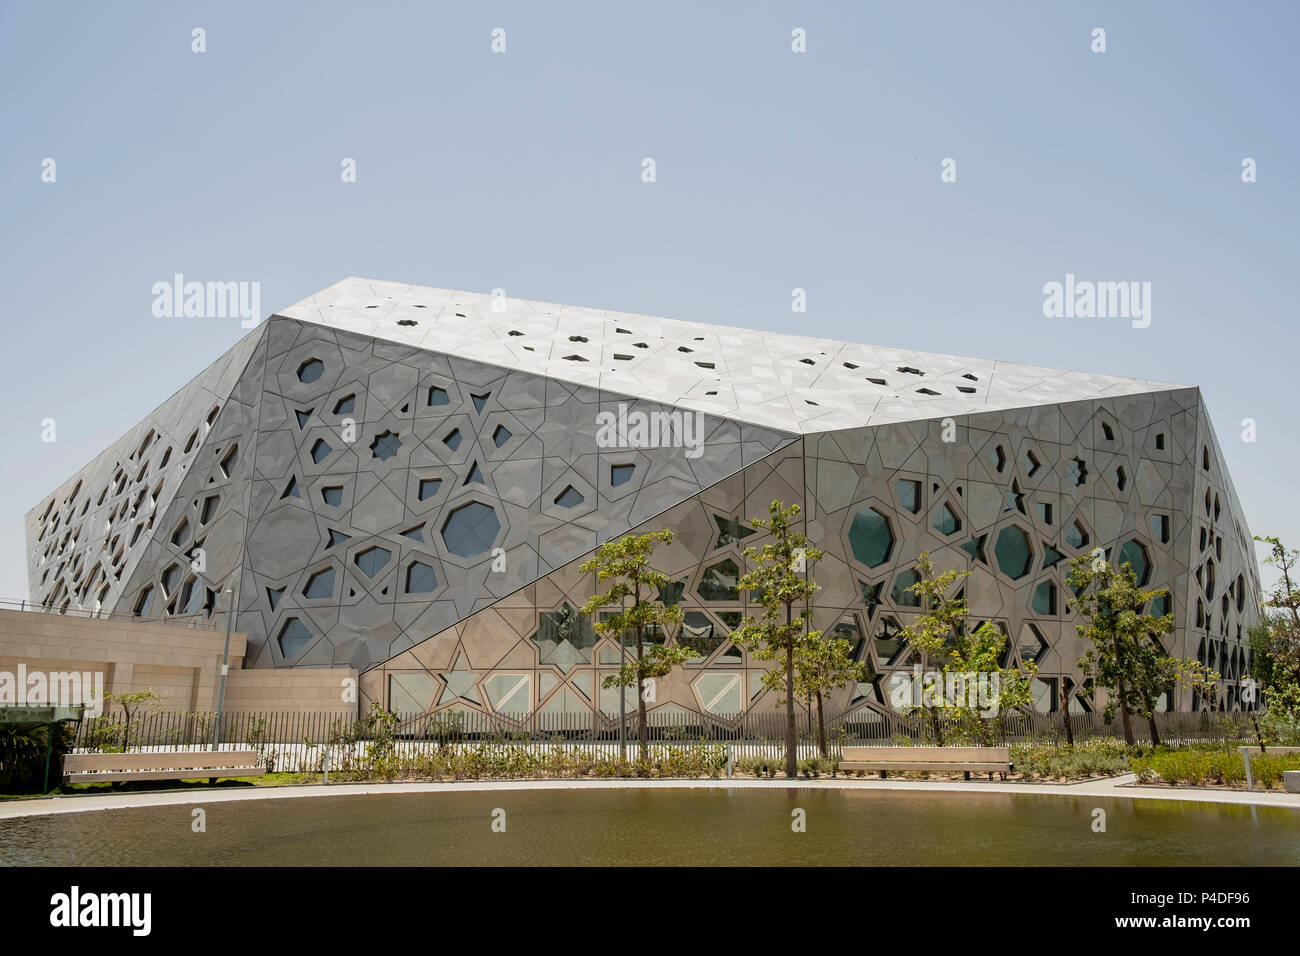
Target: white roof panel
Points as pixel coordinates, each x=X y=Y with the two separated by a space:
x=790 y=382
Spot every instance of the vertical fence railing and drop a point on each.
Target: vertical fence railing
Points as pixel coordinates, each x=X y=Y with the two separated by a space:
x=750 y=734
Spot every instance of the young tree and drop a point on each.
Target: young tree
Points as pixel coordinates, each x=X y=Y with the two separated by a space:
x=1130 y=660
x=626 y=562
x=134 y=706
x=779 y=580
x=942 y=634
x=1275 y=650
x=821 y=665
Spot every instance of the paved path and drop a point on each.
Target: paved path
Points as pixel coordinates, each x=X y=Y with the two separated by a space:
x=1119 y=787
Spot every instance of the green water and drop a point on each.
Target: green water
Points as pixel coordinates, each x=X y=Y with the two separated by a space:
x=664 y=827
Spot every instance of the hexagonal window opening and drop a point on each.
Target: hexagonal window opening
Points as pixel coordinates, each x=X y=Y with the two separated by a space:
x=385 y=445
x=871 y=538
x=1013 y=551
x=471 y=529
x=1134 y=553
x=720 y=582
x=310 y=370
x=372 y=560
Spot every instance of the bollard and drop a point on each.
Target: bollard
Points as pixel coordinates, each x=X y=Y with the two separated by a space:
x=728 y=759
x=1245 y=756
x=327 y=766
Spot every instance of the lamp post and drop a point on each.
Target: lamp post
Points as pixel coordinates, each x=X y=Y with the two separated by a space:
x=225 y=657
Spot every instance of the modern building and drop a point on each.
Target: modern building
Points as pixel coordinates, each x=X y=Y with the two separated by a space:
x=405 y=480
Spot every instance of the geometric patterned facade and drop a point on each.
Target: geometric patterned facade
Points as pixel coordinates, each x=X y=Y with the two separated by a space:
x=405 y=480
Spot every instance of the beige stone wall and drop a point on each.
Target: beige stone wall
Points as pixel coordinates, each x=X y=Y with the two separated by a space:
x=284 y=690
x=181 y=663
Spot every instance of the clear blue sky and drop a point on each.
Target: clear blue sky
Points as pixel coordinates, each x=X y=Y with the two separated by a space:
x=522 y=170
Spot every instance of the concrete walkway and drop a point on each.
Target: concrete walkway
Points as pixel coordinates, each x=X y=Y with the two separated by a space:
x=1120 y=787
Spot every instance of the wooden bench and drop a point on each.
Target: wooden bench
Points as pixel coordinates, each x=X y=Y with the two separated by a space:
x=980 y=759
x=161 y=765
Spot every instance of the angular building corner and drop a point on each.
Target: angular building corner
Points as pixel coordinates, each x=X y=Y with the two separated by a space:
x=405 y=480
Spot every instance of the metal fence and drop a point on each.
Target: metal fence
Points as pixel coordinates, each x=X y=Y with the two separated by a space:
x=752 y=734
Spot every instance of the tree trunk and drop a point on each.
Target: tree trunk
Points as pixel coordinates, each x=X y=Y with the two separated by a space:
x=791 y=739
x=643 y=729
x=1125 y=720
x=821 y=727
x=1065 y=713
x=1259 y=737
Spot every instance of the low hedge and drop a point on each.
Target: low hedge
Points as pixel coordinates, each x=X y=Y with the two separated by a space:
x=1214 y=768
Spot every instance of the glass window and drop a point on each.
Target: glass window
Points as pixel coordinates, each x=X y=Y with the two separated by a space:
x=1013 y=552
x=385 y=445
x=620 y=474
x=1134 y=553
x=570 y=497
x=345 y=405
x=333 y=495
x=429 y=487
x=501 y=435
x=871 y=538
x=320 y=450
x=169 y=579
x=372 y=560
x=730 y=531
x=209 y=508
x=310 y=370
x=1045 y=599
x=909 y=494
x=719 y=582
x=471 y=529
x=901 y=594
x=320 y=584
x=438 y=396
x=420 y=578
x=946 y=521
x=294 y=636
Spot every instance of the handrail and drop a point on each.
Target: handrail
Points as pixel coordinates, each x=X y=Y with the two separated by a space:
x=190 y=621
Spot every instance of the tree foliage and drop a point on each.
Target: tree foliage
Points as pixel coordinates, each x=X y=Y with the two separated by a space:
x=779 y=581
x=942 y=634
x=1128 y=656
x=625 y=565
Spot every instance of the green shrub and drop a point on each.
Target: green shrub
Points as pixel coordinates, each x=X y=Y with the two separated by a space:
x=1203 y=767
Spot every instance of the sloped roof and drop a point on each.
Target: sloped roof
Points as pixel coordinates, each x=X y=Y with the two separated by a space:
x=789 y=382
